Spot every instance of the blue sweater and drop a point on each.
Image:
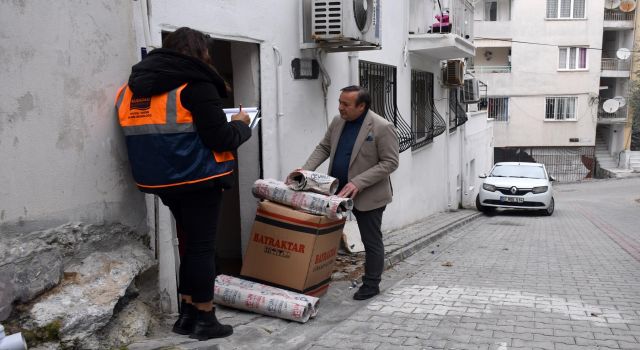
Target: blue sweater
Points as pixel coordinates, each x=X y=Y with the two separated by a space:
x=342 y=157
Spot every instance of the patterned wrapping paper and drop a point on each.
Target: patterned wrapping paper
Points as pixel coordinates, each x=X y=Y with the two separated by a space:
x=266 y=300
x=333 y=207
x=306 y=180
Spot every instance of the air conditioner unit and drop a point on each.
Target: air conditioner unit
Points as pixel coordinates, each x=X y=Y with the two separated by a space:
x=346 y=22
x=471 y=91
x=453 y=73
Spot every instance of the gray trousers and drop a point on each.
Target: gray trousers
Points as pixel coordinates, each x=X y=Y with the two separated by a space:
x=369 y=223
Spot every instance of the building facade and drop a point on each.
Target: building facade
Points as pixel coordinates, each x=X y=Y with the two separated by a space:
x=63 y=157
x=542 y=63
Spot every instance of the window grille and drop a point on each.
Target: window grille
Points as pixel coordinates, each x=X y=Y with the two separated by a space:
x=491 y=10
x=426 y=122
x=572 y=58
x=380 y=80
x=563 y=163
x=565 y=8
x=457 y=112
x=560 y=108
x=497 y=108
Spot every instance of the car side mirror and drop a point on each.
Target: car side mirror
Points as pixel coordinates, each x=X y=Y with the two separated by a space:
x=483 y=176
x=551 y=178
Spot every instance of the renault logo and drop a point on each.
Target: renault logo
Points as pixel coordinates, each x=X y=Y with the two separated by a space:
x=513 y=190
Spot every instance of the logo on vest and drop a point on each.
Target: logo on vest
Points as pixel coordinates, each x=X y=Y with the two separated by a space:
x=140 y=103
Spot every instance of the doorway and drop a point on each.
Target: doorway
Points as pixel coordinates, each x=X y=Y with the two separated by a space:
x=239 y=64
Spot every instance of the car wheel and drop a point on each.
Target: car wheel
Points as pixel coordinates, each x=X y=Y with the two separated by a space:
x=549 y=210
x=482 y=208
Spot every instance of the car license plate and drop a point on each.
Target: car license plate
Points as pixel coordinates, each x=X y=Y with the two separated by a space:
x=511 y=199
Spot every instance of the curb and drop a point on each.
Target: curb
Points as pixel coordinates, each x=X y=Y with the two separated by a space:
x=420 y=243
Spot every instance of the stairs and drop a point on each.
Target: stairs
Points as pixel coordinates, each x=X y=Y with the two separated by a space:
x=604 y=159
x=634 y=161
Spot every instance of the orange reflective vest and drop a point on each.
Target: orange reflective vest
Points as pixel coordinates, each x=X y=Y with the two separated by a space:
x=164 y=148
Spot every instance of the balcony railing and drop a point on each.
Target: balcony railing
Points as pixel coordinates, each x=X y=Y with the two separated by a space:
x=490 y=69
x=615 y=64
x=618 y=16
x=620 y=113
x=462 y=11
x=460 y=19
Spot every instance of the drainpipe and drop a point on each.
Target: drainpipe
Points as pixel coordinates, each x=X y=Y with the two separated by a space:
x=279 y=93
x=447 y=138
x=279 y=107
x=353 y=68
x=463 y=135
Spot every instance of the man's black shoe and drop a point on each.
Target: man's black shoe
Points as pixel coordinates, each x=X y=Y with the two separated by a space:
x=187 y=319
x=365 y=292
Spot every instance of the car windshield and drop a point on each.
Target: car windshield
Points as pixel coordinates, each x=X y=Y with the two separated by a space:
x=524 y=171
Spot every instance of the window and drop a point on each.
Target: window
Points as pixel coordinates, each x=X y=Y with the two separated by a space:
x=380 y=80
x=426 y=122
x=457 y=112
x=497 y=108
x=565 y=9
x=572 y=58
x=561 y=108
x=491 y=10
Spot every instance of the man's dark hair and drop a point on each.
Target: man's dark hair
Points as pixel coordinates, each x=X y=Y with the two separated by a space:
x=189 y=42
x=363 y=94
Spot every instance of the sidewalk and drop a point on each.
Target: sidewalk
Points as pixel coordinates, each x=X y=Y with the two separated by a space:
x=254 y=331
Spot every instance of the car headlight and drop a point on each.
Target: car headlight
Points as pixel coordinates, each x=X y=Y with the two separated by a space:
x=488 y=187
x=540 y=189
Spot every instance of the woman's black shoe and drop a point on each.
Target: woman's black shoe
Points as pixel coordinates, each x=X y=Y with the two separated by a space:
x=186 y=320
x=207 y=326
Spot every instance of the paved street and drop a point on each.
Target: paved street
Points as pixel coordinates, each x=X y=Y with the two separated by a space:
x=517 y=280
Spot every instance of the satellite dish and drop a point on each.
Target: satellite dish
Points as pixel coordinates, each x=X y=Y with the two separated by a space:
x=627 y=5
x=623 y=53
x=621 y=100
x=610 y=106
x=611 y=4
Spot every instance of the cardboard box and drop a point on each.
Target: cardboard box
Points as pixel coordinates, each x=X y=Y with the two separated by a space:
x=291 y=249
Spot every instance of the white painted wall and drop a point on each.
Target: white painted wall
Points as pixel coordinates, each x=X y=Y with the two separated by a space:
x=66 y=157
x=535 y=75
x=62 y=157
x=287 y=141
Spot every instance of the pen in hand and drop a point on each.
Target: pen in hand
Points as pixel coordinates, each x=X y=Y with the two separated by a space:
x=243 y=116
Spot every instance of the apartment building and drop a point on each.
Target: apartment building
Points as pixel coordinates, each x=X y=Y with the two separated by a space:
x=543 y=65
x=613 y=134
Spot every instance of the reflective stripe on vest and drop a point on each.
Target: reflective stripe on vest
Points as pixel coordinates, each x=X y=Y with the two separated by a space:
x=164 y=122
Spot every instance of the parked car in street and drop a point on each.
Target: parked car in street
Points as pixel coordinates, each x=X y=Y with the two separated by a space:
x=516 y=185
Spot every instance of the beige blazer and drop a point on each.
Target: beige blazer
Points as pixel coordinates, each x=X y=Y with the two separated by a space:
x=375 y=156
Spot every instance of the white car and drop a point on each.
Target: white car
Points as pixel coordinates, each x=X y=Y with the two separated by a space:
x=517 y=186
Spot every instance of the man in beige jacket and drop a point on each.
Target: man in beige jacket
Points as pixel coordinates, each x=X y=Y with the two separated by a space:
x=363 y=151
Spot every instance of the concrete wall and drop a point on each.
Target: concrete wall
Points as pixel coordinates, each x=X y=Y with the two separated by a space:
x=61 y=155
x=534 y=75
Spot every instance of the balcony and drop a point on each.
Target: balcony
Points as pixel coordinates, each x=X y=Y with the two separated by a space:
x=492 y=56
x=451 y=38
x=617 y=117
x=615 y=68
x=617 y=20
x=489 y=69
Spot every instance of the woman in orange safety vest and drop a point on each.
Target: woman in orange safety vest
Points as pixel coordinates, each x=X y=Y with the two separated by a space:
x=180 y=147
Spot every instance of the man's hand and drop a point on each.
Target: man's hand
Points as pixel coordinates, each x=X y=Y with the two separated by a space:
x=348 y=191
x=242 y=116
